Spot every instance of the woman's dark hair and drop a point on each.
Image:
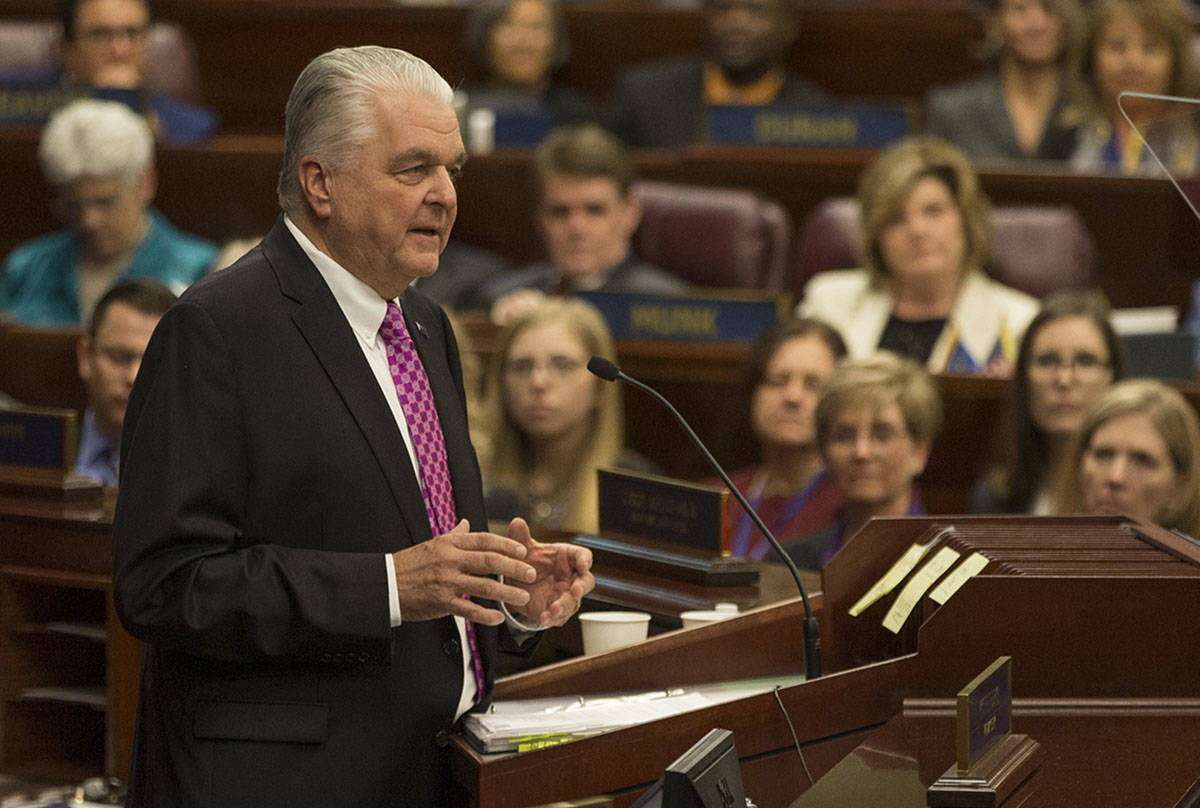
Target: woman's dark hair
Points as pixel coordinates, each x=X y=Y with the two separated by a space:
x=784 y=330
x=483 y=18
x=1020 y=450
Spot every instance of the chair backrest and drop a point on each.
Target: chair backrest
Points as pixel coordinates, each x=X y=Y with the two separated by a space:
x=27 y=46
x=715 y=237
x=1037 y=249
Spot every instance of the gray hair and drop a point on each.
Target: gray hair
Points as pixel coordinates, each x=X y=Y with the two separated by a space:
x=329 y=112
x=89 y=138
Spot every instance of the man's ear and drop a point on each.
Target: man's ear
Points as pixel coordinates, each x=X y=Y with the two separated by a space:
x=83 y=355
x=148 y=185
x=315 y=183
x=633 y=215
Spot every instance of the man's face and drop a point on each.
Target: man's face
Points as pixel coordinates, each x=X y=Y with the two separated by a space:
x=109 y=362
x=110 y=44
x=748 y=37
x=107 y=212
x=390 y=212
x=586 y=224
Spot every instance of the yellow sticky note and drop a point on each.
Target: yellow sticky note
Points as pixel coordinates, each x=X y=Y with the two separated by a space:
x=911 y=594
x=891 y=578
x=971 y=566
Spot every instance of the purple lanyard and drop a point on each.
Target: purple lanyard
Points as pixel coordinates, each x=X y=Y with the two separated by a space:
x=741 y=539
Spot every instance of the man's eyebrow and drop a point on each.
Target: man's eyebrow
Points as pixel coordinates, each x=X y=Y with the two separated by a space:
x=418 y=156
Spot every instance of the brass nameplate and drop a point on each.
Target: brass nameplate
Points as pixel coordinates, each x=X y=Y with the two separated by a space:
x=984 y=713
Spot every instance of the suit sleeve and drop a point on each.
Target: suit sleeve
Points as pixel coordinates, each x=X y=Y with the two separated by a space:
x=186 y=573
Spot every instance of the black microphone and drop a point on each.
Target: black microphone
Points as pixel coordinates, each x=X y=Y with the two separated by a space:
x=812 y=639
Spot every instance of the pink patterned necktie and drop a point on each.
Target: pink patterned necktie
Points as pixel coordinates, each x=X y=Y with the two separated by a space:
x=416 y=400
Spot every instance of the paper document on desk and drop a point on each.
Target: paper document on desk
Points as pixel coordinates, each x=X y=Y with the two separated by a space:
x=522 y=725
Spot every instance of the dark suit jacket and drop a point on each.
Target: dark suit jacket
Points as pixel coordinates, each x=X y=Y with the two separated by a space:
x=972 y=116
x=263 y=480
x=661 y=105
x=631 y=276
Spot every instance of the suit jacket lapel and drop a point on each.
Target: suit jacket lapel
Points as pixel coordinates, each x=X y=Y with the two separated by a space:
x=320 y=320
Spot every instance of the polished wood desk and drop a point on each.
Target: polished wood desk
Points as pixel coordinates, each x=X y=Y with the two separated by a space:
x=1098 y=613
x=68 y=694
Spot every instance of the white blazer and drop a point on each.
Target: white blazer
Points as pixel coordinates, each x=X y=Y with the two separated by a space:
x=988 y=318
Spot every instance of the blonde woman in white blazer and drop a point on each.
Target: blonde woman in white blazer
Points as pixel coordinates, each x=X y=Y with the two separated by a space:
x=924 y=237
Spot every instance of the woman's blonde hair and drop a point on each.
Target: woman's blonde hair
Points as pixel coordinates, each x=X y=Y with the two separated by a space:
x=885 y=185
x=504 y=451
x=1169 y=19
x=879 y=380
x=1176 y=422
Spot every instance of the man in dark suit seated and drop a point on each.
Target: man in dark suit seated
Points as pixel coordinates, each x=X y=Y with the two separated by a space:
x=109 y=356
x=586 y=216
x=299 y=537
x=663 y=104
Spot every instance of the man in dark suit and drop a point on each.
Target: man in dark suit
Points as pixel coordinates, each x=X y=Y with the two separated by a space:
x=663 y=105
x=294 y=538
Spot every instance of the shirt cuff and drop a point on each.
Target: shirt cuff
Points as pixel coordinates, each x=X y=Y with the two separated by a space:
x=393 y=593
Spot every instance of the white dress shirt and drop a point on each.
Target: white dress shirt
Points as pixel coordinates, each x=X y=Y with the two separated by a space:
x=364 y=310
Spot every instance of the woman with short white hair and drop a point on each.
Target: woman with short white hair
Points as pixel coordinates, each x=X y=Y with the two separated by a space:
x=99 y=157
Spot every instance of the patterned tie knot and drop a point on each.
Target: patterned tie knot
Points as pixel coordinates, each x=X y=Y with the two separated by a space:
x=393 y=327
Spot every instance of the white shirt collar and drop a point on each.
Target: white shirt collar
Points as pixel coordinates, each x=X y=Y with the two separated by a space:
x=362 y=305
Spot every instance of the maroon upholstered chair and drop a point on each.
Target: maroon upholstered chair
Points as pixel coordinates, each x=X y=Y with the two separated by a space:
x=37 y=45
x=1038 y=249
x=715 y=237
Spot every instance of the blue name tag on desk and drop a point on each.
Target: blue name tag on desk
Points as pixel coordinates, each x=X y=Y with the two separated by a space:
x=521 y=128
x=685 y=319
x=836 y=126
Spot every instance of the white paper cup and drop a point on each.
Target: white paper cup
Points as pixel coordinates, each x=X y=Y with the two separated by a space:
x=703 y=617
x=606 y=630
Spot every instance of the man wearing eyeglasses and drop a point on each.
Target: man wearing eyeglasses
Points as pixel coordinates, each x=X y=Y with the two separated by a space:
x=106 y=46
x=110 y=354
x=98 y=156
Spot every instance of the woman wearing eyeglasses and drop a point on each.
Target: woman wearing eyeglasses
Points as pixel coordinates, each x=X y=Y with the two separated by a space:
x=876 y=421
x=1138 y=454
x=549 y=423
x=1068 y=357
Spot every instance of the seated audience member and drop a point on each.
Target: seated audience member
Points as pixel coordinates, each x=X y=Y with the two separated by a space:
x=549 y=422
x=1068 y=357
x=925 y=235
x=1014 y=109
x=462 y=270
x=664 y=104
x=518 y=46
x=876 y=421
x=109 y=356
x=1142 y=46
x=105 y=45
x=586 y=217
x=1137 y=454
x=99 y=156
x=790 y=488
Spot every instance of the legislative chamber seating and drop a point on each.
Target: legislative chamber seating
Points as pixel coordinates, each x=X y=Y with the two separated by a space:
x=713 y=237
x=1038 y=249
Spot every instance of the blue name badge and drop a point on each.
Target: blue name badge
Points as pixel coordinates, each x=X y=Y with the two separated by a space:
x=521 y=128
x=701 y=318
x=39 y=438
x=835 y=126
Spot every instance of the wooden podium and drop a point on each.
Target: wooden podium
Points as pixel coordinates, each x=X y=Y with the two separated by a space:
x=1100 y=616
